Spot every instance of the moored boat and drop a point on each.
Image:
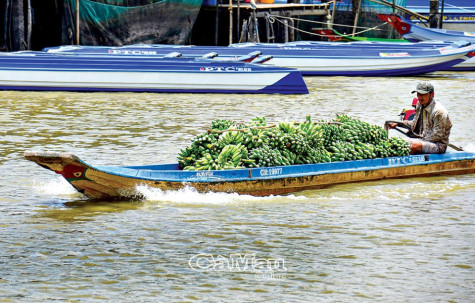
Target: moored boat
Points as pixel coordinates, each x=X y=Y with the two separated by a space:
x=315 y=58
x=335 y=36
x=118 y=182
x=416 y=33
x=70 y=72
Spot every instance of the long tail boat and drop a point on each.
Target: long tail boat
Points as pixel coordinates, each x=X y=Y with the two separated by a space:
x=120 y=182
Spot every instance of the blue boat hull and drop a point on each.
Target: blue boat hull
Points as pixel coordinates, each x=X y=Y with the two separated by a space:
x=316 y=58
x=70 y=72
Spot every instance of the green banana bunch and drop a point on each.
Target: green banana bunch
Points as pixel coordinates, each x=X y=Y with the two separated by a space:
x=399 y=147
x=314 y=134
x=383 y=149
x=287 y=127
x=232 y=155
x=255 y=138
x=230 y=137
x=206 y=162
x=377 y=134
x=264 y=157
x=331 y=133
x=222 y=124
x=365 y=151
x=257 y=121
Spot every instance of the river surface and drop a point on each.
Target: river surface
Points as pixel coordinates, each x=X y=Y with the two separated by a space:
x=410 y=240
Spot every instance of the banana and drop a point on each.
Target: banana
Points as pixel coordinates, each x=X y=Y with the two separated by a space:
x=232 y=145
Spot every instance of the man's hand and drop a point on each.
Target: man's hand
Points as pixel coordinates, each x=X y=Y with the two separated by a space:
x=392 y=125
x=389 y=124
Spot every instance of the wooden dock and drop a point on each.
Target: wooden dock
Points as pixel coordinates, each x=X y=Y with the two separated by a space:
x=243 y=17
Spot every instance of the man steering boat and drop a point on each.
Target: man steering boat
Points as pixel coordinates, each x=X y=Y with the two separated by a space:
x=430 y=128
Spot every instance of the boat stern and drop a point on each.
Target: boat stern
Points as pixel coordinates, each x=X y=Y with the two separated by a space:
x=292 y=83
x=396 y=22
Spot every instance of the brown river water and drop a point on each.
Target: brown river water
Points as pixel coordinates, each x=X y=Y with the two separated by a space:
x=410 y=240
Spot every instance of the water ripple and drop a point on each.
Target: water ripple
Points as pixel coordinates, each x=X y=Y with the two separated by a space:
x=408 y=240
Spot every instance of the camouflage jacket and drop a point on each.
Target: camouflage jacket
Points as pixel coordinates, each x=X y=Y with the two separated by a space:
x=436 y=123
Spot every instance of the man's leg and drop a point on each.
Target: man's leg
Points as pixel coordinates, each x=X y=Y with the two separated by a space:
x=424 y=147
x=416 y=147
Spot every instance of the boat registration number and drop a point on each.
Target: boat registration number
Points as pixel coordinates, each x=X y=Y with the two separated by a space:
x=271 y=171
x=225 y=69
x=406 y=160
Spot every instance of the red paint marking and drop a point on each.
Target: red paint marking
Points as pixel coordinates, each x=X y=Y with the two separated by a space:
x=72 y=171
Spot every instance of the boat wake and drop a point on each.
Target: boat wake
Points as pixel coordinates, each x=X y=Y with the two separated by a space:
x=470 y=148
x=55 y=187
x=189 y=195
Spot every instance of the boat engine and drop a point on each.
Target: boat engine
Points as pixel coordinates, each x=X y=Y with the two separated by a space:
x=408 y=114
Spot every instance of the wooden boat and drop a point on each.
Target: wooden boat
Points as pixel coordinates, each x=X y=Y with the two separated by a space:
x=112 y=182
x=31 y=70
x=416 y=33
x=314 y=58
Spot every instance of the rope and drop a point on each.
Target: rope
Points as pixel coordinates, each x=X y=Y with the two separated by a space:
x=367 y=29
x=320 y=22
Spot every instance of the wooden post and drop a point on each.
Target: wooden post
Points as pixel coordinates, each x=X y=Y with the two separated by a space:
x=442 y=14
x=256 y=29
x=77 y=22
x=29 y=25
x=393 y=32
x=333 y=13
x=18 y=25
x=238 y=19
x=216 y=23
x=230 y=21
x=357 y=15
x=286 y=31
x=433 y=13
x=291 y=30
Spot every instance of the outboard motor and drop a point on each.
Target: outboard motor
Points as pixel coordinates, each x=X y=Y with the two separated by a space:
x=408 y=114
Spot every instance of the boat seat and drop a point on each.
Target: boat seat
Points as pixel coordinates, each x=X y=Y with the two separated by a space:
x=262 y=59
x=172 y=55
x=210 y=55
